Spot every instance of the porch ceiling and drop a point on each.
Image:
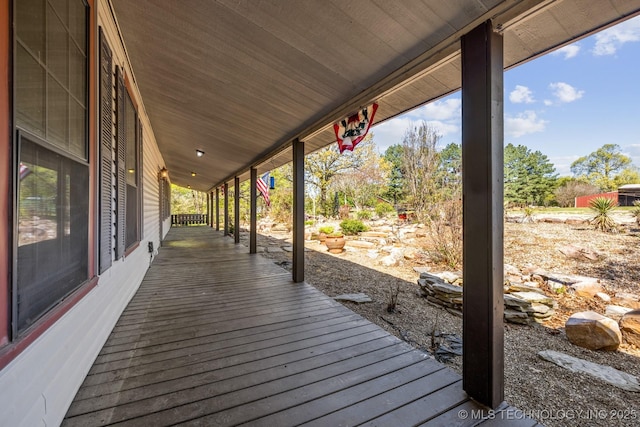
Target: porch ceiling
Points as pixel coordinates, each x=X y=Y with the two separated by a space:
x=240 y=79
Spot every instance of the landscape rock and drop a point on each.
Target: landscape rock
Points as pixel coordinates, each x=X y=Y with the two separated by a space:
x=616 y=311
x=374 y=234
x=358 y=298
x=591 y=330
x=539 y=309
x=510 y=269
x=524 y=287
x=576 y=221
x=373 y=254
x=576 y=252
x=627 y=295
x=409 y=255
x=527 y=305
x=515 y=316
x=536 y=311
x=605 y=373
x=431 y=278
x=534 y=297
x=533 y=270
x=516 y=303
x=439 y=292
x=449 y=276
x=553 y=220
x=361 y=244
x=604 y=297
x=630 y=327
x=587 y=289
x=389 y=261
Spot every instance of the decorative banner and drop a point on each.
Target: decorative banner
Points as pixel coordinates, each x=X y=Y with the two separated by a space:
x=351 y=130
x=262 y=184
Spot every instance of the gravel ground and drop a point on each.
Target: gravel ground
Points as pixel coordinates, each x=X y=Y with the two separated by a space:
x=552 y=395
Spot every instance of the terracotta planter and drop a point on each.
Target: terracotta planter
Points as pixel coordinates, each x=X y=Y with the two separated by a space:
x=335 y=244
x=322 y=237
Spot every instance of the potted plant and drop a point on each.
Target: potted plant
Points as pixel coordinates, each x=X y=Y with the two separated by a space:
x=335 y=242
x=323 y=232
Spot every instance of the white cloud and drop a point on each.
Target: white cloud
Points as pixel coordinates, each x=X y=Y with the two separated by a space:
x=564 y=92
x=447 y=109
x=568 y=51
x=612 y=39
x=633 y=151
x=392 y=131
x=521 y=94
x=523 y=123
x=443 y=128
x=563 y=164
x=548 y=102
x=443 y=115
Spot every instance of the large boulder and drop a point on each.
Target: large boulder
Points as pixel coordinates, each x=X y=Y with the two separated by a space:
x=630 y=326
x=591 y=330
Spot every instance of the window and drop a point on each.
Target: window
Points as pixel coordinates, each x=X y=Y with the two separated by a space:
x=52 y=170
x=51 y=72
x=131 y=165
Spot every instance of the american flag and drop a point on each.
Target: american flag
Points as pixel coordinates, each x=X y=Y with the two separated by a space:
x=262 y=184
x=24 y=171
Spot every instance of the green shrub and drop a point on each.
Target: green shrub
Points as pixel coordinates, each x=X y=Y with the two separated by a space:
x=383 y=208
x=364 y=215
x=326 y=229
x=309 y=222
x=352 y=226
x=602 y=221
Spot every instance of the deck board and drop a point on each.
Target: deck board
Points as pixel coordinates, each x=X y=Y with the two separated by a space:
x=215 y=336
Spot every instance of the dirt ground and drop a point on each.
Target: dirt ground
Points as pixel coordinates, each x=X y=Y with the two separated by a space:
x=554 y=396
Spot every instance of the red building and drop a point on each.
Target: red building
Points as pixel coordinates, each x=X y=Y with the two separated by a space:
x=624 y=196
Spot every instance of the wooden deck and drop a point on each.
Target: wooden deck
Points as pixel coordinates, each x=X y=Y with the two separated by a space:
x=218 y=337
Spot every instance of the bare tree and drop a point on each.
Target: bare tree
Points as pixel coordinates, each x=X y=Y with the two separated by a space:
x=363 y=183
x=567 y=192
x=326 y=164
x=421 y=161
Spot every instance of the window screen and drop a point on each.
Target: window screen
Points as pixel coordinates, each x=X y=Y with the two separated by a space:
x=52 y=229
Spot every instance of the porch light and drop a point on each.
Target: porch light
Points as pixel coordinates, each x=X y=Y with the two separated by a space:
x=199 y=153
x=163 y=173
x=132 y=170
x=189 y=187
x=193 y=174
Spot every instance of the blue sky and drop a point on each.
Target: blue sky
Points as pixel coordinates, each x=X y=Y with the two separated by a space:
x=565 y=104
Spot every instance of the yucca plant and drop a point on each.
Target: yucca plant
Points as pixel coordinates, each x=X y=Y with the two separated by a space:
x=528 y=214
x=636 y=211
x=602 y=221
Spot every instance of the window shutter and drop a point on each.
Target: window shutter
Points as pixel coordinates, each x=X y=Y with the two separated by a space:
x=140 y=181
x=106 y=154
x=121 y=155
